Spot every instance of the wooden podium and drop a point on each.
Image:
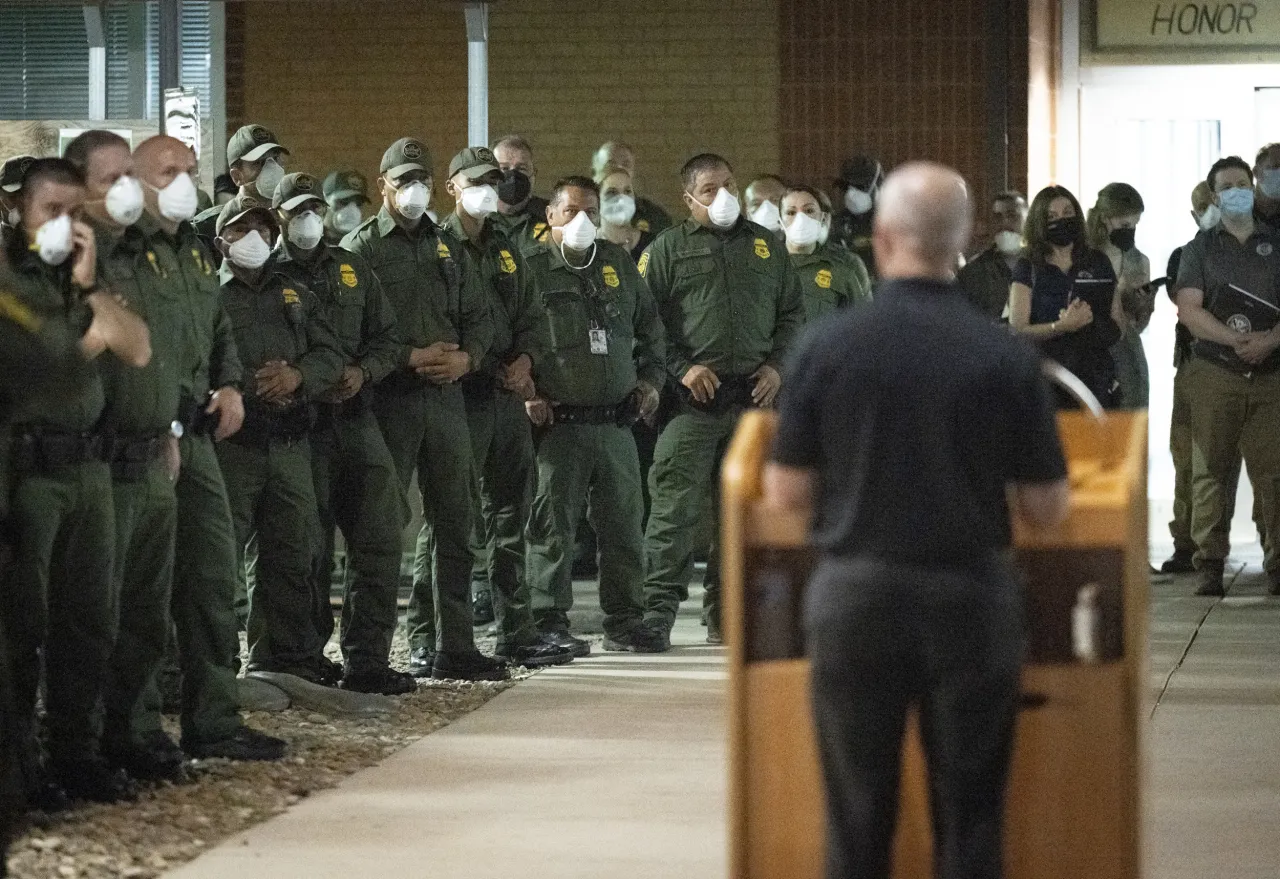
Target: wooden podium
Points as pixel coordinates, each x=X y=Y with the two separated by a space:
x=1074 y=807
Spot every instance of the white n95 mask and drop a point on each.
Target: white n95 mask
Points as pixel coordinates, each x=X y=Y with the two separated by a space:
x=579 y=233
x=250 y=252
x=803 y=231
x=306 y=230
x=480 y=201
x=347 y=217
x=53 y=240
x=767 y=215
x=269 y=178
x=412 y=199
x=618 y=209
x=178 y=201
x=724 y=209
x=124 y=200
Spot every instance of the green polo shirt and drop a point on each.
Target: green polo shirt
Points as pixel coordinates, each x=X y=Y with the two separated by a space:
x=831 y=277
x=428 y=277
x=610 y=296
x=729 y=300
x=146 y=400
x=358 y=312
x=276 y=318
x=48 y=293
x=504 y=278
x=186 y=272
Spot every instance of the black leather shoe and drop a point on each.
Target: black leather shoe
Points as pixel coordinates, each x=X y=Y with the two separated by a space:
x=482 y=608
x=321 y=670
x=1211 y=576
x=468 y=666
x=157 y=758
x=1181 y=562
x=536 y=655
x=576 y=646
x=95 y=780
x=421 y=659
x=652 y=636
x=385 y=680
x=245 y=744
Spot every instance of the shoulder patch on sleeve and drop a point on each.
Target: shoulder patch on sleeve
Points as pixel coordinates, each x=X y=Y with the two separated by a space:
x=539 y=232
x=291 y=296
x=643 y=265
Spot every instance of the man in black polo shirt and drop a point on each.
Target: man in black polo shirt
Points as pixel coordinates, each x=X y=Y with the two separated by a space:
x=902 y=425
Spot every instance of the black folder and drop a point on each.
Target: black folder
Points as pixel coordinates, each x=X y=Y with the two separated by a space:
x=1243 y=312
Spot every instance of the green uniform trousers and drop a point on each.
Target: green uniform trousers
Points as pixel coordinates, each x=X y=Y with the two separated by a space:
x=271 y=495
x=1233 y=416
x=1180 y=448
x=592 y=469
x=686 y=464
x=357 y=490
x=502 y=450
x=425 y=427
x=146 y=514
x=60 y=601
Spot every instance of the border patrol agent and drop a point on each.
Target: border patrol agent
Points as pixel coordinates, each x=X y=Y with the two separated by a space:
x=356 y=485
x=523 y=213
x=10 y=190
x=346 y=192
x=603 y=374
x=1233 y=379
x=501 y=441
x=256 y=161
x=286 y=342
x=830 y=276
x=732 y=307
x=649 y=216
x=443 y=317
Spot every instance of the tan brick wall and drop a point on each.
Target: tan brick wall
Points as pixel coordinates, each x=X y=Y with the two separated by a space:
x=338 y=81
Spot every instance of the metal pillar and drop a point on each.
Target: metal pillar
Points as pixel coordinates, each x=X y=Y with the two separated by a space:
x=170 y=67
x=477 y=73
x=97 y=59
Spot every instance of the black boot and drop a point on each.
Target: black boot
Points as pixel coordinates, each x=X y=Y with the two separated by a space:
x=1211 y=576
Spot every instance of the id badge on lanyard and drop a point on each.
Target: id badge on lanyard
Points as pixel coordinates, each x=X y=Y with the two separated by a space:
x=599 y=339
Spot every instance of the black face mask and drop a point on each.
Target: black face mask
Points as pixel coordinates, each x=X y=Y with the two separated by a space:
x=1062 y=232
x=515 y=187
x=1123 y=240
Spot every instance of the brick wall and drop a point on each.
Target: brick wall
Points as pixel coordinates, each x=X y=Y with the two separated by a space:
x=338 y=81
x=900 y=81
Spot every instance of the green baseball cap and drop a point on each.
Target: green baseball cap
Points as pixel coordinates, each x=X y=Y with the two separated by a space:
x=12 y=170
x=475 y=162
x=342 y=185
x=295 y=189
x=251 y=143
x=405 y=155
x=240 y=207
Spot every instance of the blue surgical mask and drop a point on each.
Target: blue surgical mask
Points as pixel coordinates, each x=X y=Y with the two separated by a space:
x=1269 y=183
x=1236 y=202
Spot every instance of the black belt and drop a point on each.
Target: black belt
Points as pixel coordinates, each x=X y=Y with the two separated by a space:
x=131 y=456
x=619 y=414
x=354 y=407
x=261 y=429
x=38 y=449
x=734 y=392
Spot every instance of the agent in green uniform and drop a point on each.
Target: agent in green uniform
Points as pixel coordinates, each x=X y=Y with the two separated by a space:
x=211 y=408
x=523 y=214
x=731 y=306
x=37 y=358
x=501 y=441
x=603 y=373
x=443 y=317
x=59 y=604
x=11 y=193
x=287 y=346
x=257 y=164
x=858 y=186
x=346 y=192
x=141 y=428
x=830 y=276
x=356 y=485
x=649 y=217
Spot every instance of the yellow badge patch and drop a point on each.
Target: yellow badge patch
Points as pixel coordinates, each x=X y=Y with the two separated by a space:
x=203 y=263
x=610 y=276
x=643 y=265
x=14 y=311
x=506 y=262
x=823 y=279
x=348 y=275
x=155 y=264
x=442 y=251
x=291 y=296
x=762 y=248
x=642 y=225
x=539 y=231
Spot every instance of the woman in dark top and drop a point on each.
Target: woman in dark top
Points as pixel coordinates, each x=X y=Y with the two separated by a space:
x=1064 y=294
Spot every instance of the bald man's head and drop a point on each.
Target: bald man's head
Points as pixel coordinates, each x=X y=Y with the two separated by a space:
x=923 y=221
x=158 y=161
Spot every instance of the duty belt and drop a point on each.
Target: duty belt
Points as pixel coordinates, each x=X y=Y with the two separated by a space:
x=130 y=455
x=38 y=449
x=263 y=428
x=734 y=392
x=622 y=414
x=354 y=407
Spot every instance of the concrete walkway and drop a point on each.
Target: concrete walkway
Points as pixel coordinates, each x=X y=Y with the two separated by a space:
x=612 y=766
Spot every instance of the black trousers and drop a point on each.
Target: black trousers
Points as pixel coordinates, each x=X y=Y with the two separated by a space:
x=884 y=637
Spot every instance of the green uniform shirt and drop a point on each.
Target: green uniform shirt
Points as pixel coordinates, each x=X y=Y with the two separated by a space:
x=186 y=272
x=650 y=217
x=607 y=297
x=280 y=319
x=504 y=278
x=48 y=292
x=205 y=223
x=729 y=300
x=357 y=310
x=431 y=283
x=528 y=225
x=145 y=400
x=831 y=277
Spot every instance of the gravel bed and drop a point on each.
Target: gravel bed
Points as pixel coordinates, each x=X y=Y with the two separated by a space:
x=172 y=824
